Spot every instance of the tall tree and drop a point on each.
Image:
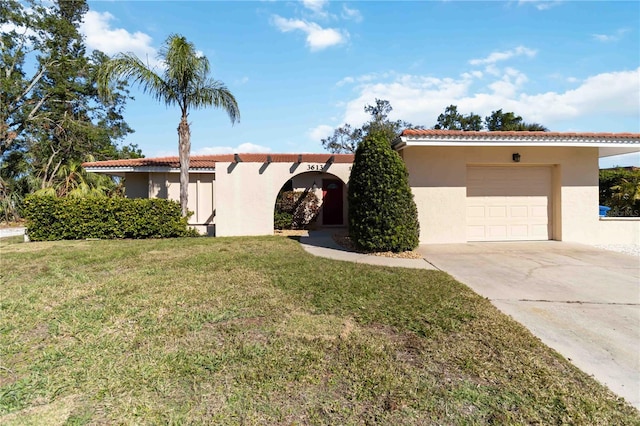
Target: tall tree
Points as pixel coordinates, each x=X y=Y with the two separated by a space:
x=345 y=139
x=184 y=82
x=451 y=119
x=51 y=114
x=18 y=40
x=509 y=121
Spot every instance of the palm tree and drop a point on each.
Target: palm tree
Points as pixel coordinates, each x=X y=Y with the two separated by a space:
x=184 y=82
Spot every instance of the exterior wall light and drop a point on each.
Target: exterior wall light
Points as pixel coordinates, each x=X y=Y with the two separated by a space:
x=516 y=157
x=314 y=186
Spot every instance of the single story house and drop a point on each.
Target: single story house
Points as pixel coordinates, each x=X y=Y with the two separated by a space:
x=235 y=194
x=468 y=186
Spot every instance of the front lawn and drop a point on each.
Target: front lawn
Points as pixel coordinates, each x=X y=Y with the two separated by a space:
x=257 y=331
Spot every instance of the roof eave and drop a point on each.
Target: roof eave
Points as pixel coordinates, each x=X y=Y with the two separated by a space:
x=606 y=147
x=120 y=171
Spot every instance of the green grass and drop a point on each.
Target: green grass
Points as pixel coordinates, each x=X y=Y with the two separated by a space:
x=256 y=331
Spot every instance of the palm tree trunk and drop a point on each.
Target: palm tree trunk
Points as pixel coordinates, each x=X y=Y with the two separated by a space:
x=184 y=148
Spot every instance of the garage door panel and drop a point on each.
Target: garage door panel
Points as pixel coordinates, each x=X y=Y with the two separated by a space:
x=475 y=211
x=496 y=232
x=519 y=211
x=508 y=203
x=498 y=211
x=476 y=233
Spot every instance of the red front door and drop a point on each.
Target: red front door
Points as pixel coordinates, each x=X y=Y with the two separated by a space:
x=331 y=202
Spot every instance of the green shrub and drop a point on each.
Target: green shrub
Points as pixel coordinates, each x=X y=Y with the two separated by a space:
x=60 y=218
x=382 y=213
x=282 y=220
x=620 y=190
x=300 y=208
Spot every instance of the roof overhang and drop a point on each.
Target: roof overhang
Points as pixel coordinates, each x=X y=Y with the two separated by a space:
x=120 y=171
x=607 y=145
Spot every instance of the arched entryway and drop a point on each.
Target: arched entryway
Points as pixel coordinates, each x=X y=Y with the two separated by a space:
x=331 y=194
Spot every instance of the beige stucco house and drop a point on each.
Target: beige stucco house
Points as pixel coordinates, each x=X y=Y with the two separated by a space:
x=468 y=186
x=506 y=186
x=235 y=194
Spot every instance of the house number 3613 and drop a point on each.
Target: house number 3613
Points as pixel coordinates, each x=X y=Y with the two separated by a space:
x=315 y=167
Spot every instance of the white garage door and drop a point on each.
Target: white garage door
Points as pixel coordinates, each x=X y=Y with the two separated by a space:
x=508 y=203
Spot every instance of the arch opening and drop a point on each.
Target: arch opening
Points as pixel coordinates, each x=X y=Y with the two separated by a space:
x=326 y=189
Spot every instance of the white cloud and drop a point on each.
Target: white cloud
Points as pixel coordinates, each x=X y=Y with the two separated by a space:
x=318 y=38
x=599 y=103
x=351 y=14
x=243 y=148
x=607 y=38
x=346 y=80
x=241 y=81
x=541 y=4
x=316 y=6
x=101 y=36
x=508 y=85
x=320 y=132
x=503 y=56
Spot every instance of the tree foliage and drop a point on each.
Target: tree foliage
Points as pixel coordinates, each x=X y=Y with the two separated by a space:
x=295 y=209
x=620 y=190
x=52 y=116
x=184 y=82
x=451 y=119
x=346 y=138
x=382 y=213
x=508 y=121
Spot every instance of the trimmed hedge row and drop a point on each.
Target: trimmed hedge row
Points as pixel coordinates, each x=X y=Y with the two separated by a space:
x=52 y=218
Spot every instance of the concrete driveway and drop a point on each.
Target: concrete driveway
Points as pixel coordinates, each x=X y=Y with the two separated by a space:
x=582 y=301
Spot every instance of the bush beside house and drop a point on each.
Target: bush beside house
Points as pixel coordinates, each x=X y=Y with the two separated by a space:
x=295 y=209
x=64 y=218
x=382 y=213
x=620 y=190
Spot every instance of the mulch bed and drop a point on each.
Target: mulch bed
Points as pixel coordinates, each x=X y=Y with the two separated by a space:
x=346 y=242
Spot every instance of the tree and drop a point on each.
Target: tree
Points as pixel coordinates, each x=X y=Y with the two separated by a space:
x=508 y=121
x=345 y=139
x=382 y=213
x=52 y=116
x=184 y=82
x=451 y=119
x=620 y=190
x=18 y=39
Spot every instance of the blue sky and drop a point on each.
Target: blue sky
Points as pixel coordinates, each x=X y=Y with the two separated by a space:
x=301 y=68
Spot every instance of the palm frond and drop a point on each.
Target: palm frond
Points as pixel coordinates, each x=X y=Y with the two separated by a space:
x=215 y=93
x=129 y=67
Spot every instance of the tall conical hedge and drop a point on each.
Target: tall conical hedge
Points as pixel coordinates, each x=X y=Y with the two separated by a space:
x=382 y=213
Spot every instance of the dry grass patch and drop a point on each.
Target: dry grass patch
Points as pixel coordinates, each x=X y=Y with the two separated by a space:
x=256 y=331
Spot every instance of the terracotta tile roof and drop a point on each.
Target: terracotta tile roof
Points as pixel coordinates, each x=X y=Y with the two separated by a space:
x=489 y=135
x=209 y=161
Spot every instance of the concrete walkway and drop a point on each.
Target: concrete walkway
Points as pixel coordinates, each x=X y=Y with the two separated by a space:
x=321 y=243
x=582 y=301
x=12 y=232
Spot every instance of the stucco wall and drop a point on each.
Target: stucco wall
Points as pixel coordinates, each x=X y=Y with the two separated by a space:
x=201 y=196
x=614 y=230
x=437 y=176
x=246 y=192
x=136 y=185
